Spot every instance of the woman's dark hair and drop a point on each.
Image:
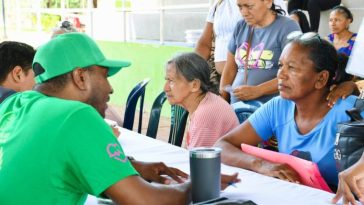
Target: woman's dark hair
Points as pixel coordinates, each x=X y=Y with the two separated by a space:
x=321 y=52
x=302 y=20
x=341 y=75
x=345 y=11
x=277 y=9
x=192 y=66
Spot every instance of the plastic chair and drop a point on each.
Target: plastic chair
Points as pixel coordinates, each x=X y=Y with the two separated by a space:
x=244 y=109
x=137 y=92
x=178 y=125
x=155 y=114
x=178 y=121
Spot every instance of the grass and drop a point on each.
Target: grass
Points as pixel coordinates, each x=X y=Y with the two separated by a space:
x=148 y=61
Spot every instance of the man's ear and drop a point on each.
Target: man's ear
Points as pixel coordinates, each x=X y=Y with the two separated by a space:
x=79 y=78
x=17 y=74
x=322 y=79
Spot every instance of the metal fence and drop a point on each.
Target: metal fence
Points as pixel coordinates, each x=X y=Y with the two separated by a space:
x=159 y=23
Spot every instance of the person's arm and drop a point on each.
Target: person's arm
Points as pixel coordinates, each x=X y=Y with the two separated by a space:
x=232 y=154
x=269 y=87
x=204 y=43
x=152 y=172
x=228 y=75
x=342 y=91
x=246 y=92
x=135 y=190
x=351 y=181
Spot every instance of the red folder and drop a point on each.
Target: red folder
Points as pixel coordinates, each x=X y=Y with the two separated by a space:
x=308 y=171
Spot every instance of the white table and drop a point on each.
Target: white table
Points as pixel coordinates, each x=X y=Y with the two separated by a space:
x=261 y=189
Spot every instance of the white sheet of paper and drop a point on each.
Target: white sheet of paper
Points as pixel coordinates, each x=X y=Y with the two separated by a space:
x=356 y=61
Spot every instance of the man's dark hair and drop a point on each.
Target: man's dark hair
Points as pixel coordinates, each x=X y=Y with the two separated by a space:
x=59 y=82
x=14 y=54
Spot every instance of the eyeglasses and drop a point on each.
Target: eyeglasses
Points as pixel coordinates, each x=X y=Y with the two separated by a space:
x=304 y=36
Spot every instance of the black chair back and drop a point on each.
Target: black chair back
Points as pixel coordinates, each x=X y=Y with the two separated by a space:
x=178 y=125
x=155 y=114
x=178 y=121
x=137 y=92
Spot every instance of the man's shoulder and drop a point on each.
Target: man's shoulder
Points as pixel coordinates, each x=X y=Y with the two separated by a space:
x=66 y=106
x=5 y=92
x=34 y=100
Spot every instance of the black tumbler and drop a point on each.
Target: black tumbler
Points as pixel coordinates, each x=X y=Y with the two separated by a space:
x=205 y=166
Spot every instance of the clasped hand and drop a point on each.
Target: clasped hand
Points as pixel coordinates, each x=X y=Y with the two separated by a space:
x=280 y=171
x=247 y=92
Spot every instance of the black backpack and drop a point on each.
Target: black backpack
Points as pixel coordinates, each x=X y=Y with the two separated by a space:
x=349 y=143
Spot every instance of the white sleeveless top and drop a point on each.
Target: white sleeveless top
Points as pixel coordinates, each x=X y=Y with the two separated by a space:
x=226 y=16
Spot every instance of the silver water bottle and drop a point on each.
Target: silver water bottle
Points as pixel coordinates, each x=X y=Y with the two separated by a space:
x=205 y=168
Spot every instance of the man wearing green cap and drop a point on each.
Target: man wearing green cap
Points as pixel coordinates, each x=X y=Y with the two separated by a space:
x=55 y=147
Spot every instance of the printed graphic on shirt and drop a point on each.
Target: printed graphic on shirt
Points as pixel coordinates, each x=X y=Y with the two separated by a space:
x=114 y=151
x=258 y=57
x=302 y=154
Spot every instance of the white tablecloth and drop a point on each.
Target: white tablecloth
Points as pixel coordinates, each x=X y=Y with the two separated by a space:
x=261 y=189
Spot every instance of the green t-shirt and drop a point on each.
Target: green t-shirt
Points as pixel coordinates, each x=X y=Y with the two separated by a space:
x=55 y=151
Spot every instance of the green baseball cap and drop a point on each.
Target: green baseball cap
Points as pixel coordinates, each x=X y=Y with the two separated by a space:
x=67 y=52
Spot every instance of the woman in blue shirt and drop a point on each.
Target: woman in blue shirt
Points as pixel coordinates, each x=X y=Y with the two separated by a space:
x=300 y=118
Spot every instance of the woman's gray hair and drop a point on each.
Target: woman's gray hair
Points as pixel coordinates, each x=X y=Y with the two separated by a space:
x=193 y=67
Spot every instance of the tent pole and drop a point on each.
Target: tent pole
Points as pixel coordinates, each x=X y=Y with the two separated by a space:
x=4 y=22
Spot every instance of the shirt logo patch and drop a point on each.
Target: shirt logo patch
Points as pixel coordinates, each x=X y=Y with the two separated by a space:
x=302 y=154
x=114 y=151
